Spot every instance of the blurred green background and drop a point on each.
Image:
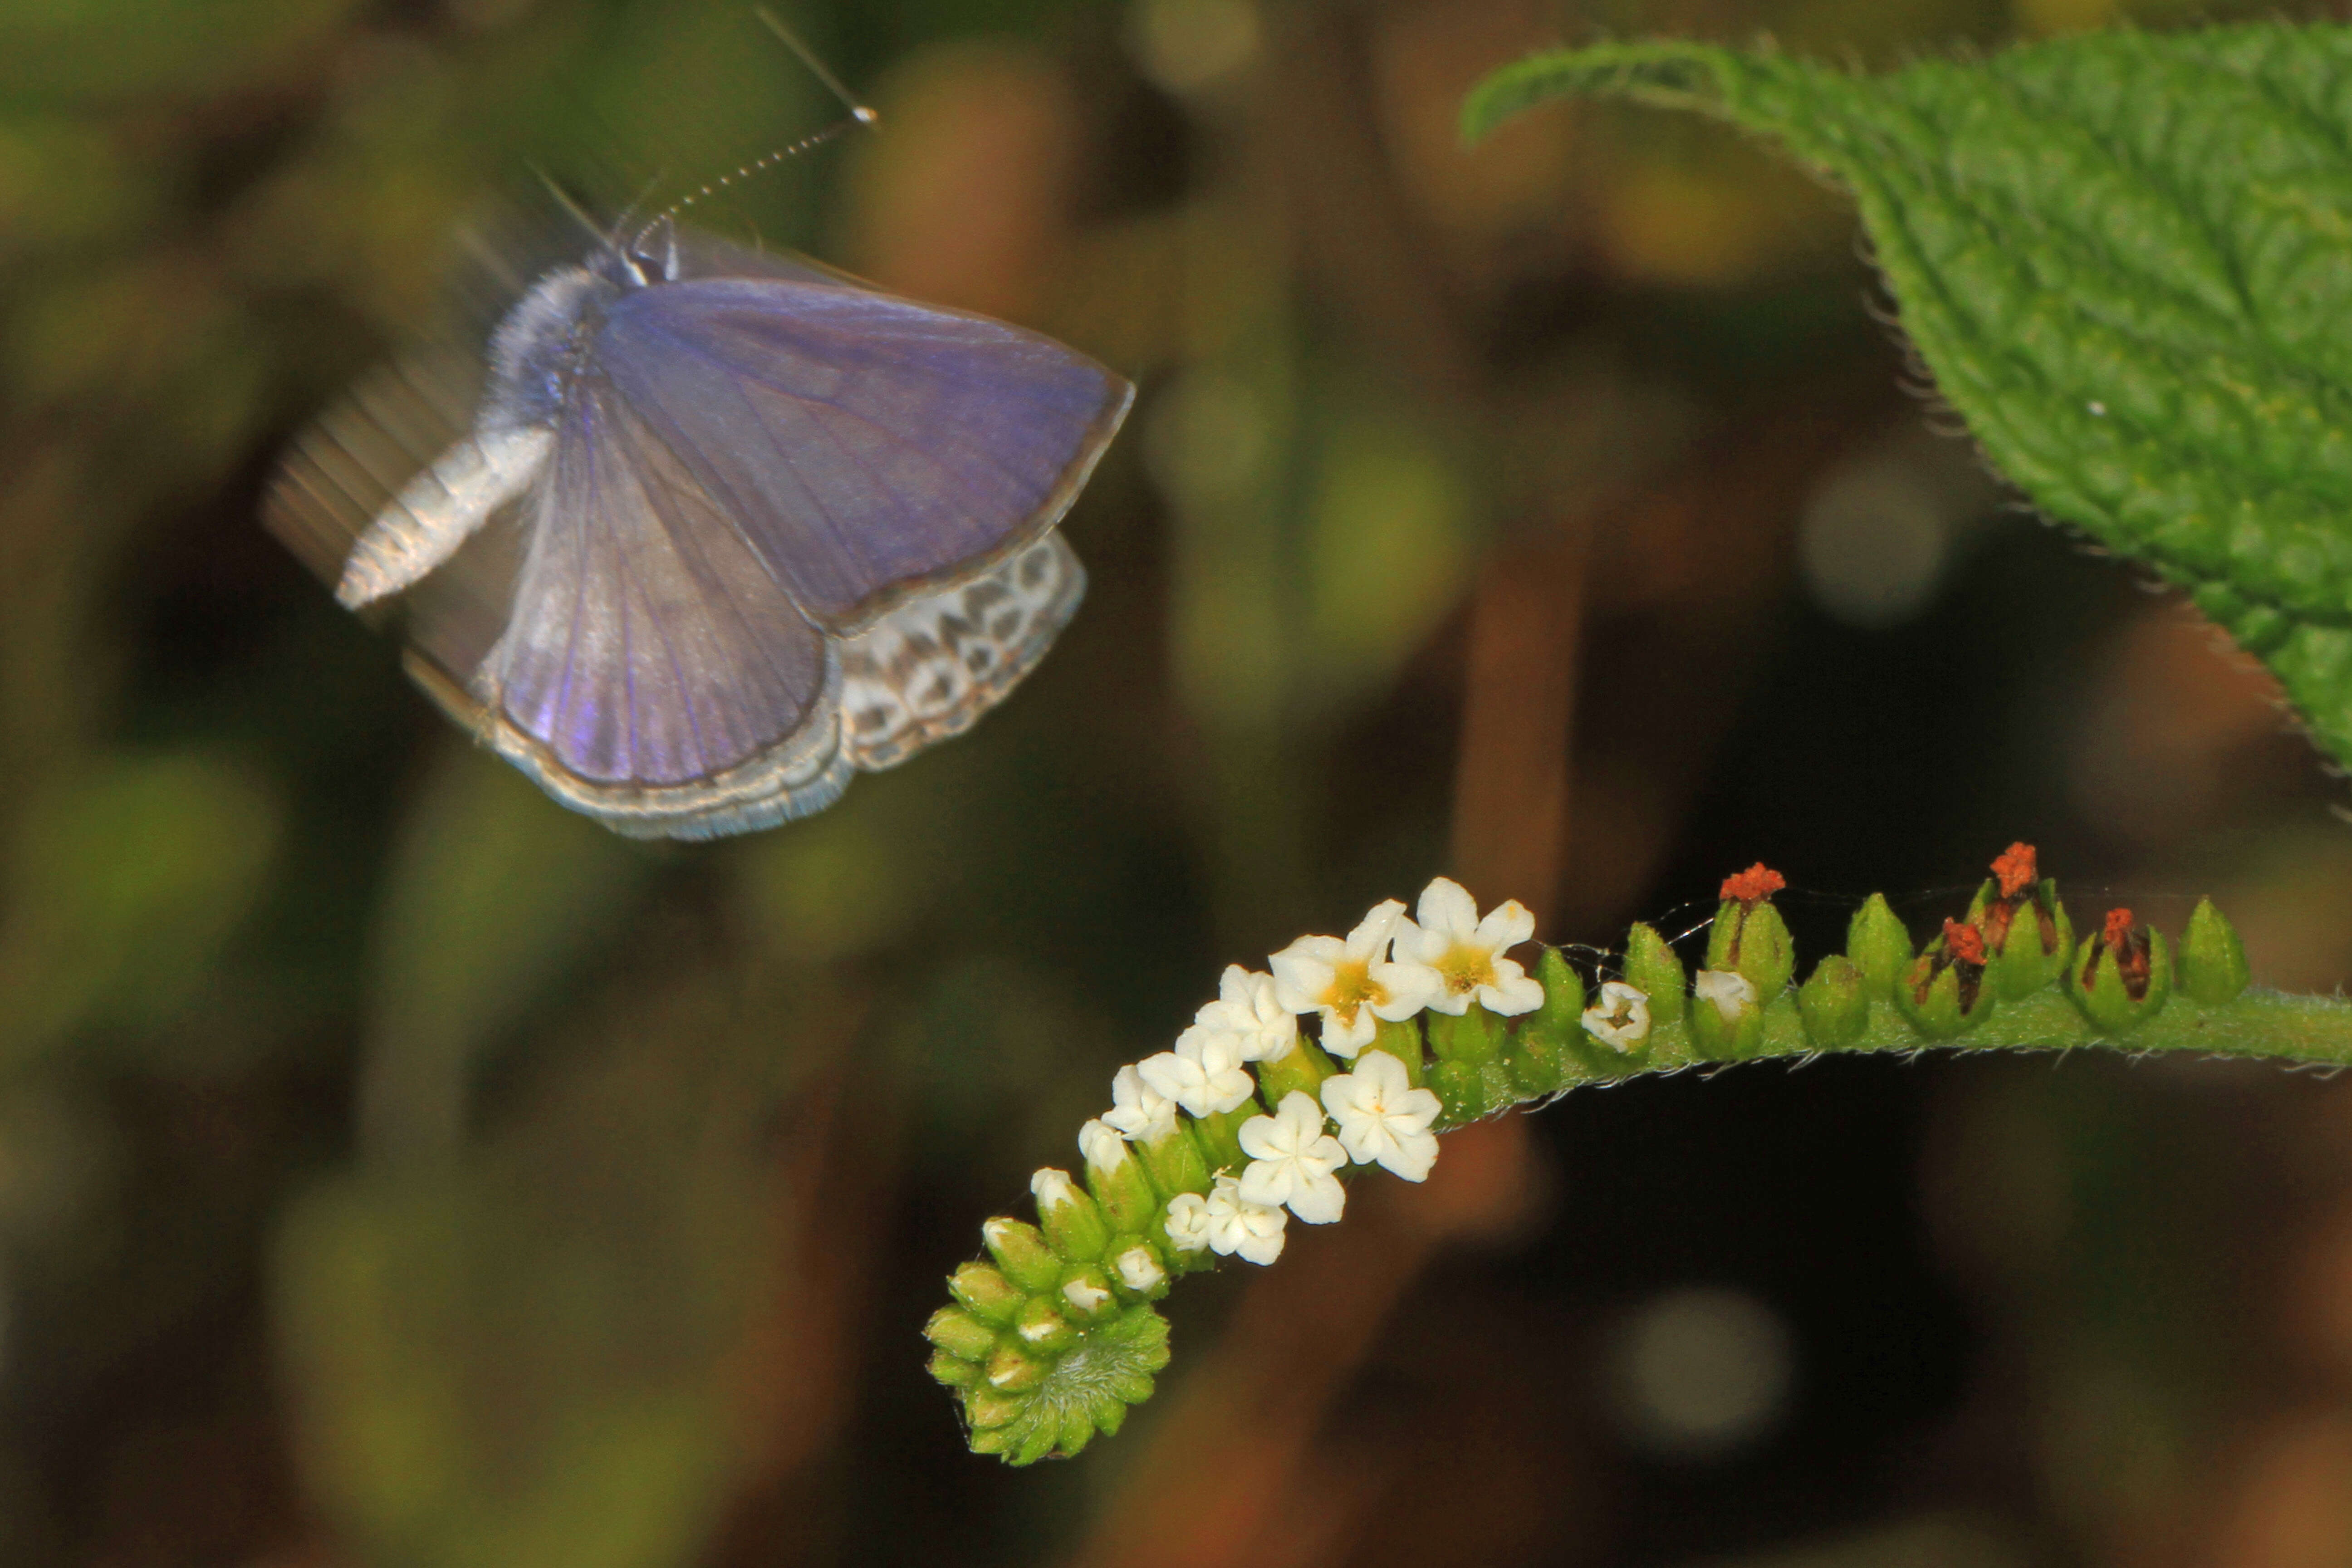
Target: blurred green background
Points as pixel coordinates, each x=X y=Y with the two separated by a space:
x=396 y=1169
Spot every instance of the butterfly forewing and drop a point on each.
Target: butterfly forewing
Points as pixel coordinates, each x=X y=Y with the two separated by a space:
x=871 y=450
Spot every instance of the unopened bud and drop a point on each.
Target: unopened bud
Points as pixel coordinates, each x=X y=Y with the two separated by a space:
x=1072 y=1225
x=1536 y=1054
x=1021 y=1251
x=1085 y=1291
x=1116 y=1178
x=986 y=1293
x=1879 y=946
x=958 y=1333
x=2212 y=960
x=1655 y=969
x=1834 y=1005
x=1015 y=1371
x=1040 y=1327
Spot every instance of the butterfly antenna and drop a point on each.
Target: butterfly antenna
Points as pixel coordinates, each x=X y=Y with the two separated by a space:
x=859 y=114
x=862 y=114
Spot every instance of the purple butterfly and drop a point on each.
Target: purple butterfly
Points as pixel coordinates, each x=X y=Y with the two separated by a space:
x=753 y=525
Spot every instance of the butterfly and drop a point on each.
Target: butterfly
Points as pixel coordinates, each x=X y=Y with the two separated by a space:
x=726 y=528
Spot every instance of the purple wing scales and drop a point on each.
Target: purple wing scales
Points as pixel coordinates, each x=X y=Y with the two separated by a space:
x=872 y=451
x=652 y=673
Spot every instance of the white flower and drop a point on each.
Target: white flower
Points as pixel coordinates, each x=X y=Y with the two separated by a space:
x=1138 y=1111
x=1087 y=1299
x=1467 y=952
x=1101 y=1146
x=1239 y=1228
x=1291 y=1161
x=1730 y=991
x=1051 y=1189
x=1187 y=1224
x=1352 y=983
x=1383 y=1119
x=1621 y=1018
x=1138 y=1269
x=1204 y=1074
x=1247 y=1008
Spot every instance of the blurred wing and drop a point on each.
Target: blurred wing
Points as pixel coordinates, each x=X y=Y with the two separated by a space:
x=930 y=668
x=652 y=673
x=872 y=451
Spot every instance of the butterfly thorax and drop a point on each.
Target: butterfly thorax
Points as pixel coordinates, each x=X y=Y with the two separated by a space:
x=540 y=347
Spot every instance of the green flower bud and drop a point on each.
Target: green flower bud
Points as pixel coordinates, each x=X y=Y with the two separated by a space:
x=1727 y=1023
x=1879 y=946
x=986 y=1294
x=1220 y=1136
x=1469 y=1090
x=1175 y=1162
x=1074 y=1226
x=959 y=1334
x=1749 y=938
x=1560 y=1018
x=1085 y=1292
x=1041 y=1329
x=1021 y=1251
x=1654 y=969
x=1834 y=1005
x=953 y=1370
x=1304 y=1066
x=1536 y=1054
x=1010 y=1370
x=1944 y=993
x=987 y=1407
x=1121 y=1188
x=2212 y=960
x=2122 y=976
x=1477 y=1035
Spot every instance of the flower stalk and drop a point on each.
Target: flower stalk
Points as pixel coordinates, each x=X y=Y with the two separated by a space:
x=1211 y=1150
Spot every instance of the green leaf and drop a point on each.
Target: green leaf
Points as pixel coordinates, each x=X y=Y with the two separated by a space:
x=2128 y=261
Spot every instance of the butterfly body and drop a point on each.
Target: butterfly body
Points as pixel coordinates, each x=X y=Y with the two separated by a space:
x=774 y=526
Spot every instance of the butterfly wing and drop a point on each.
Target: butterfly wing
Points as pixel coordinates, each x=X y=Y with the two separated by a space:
x=873 y=451
x=927 y=669
x=652 y=673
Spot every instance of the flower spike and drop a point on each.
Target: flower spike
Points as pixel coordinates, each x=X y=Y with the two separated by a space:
x=1211 y=1150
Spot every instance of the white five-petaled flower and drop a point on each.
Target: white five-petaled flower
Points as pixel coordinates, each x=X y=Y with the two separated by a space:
x=1291 y=1161
x=1101 y=1146
x=1247 y=1008
x=1353 y=982
x=1730 y=991
x=1383 y=1119
x=1240 y=1228
x=1187 y=1224
x=1138 y=1111
x=1621 y=1018
x=1466 y=953
x=1204 y=1074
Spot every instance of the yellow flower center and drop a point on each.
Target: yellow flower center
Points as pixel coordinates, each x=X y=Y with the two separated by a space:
x=1352 y=986
x=1466 y=968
